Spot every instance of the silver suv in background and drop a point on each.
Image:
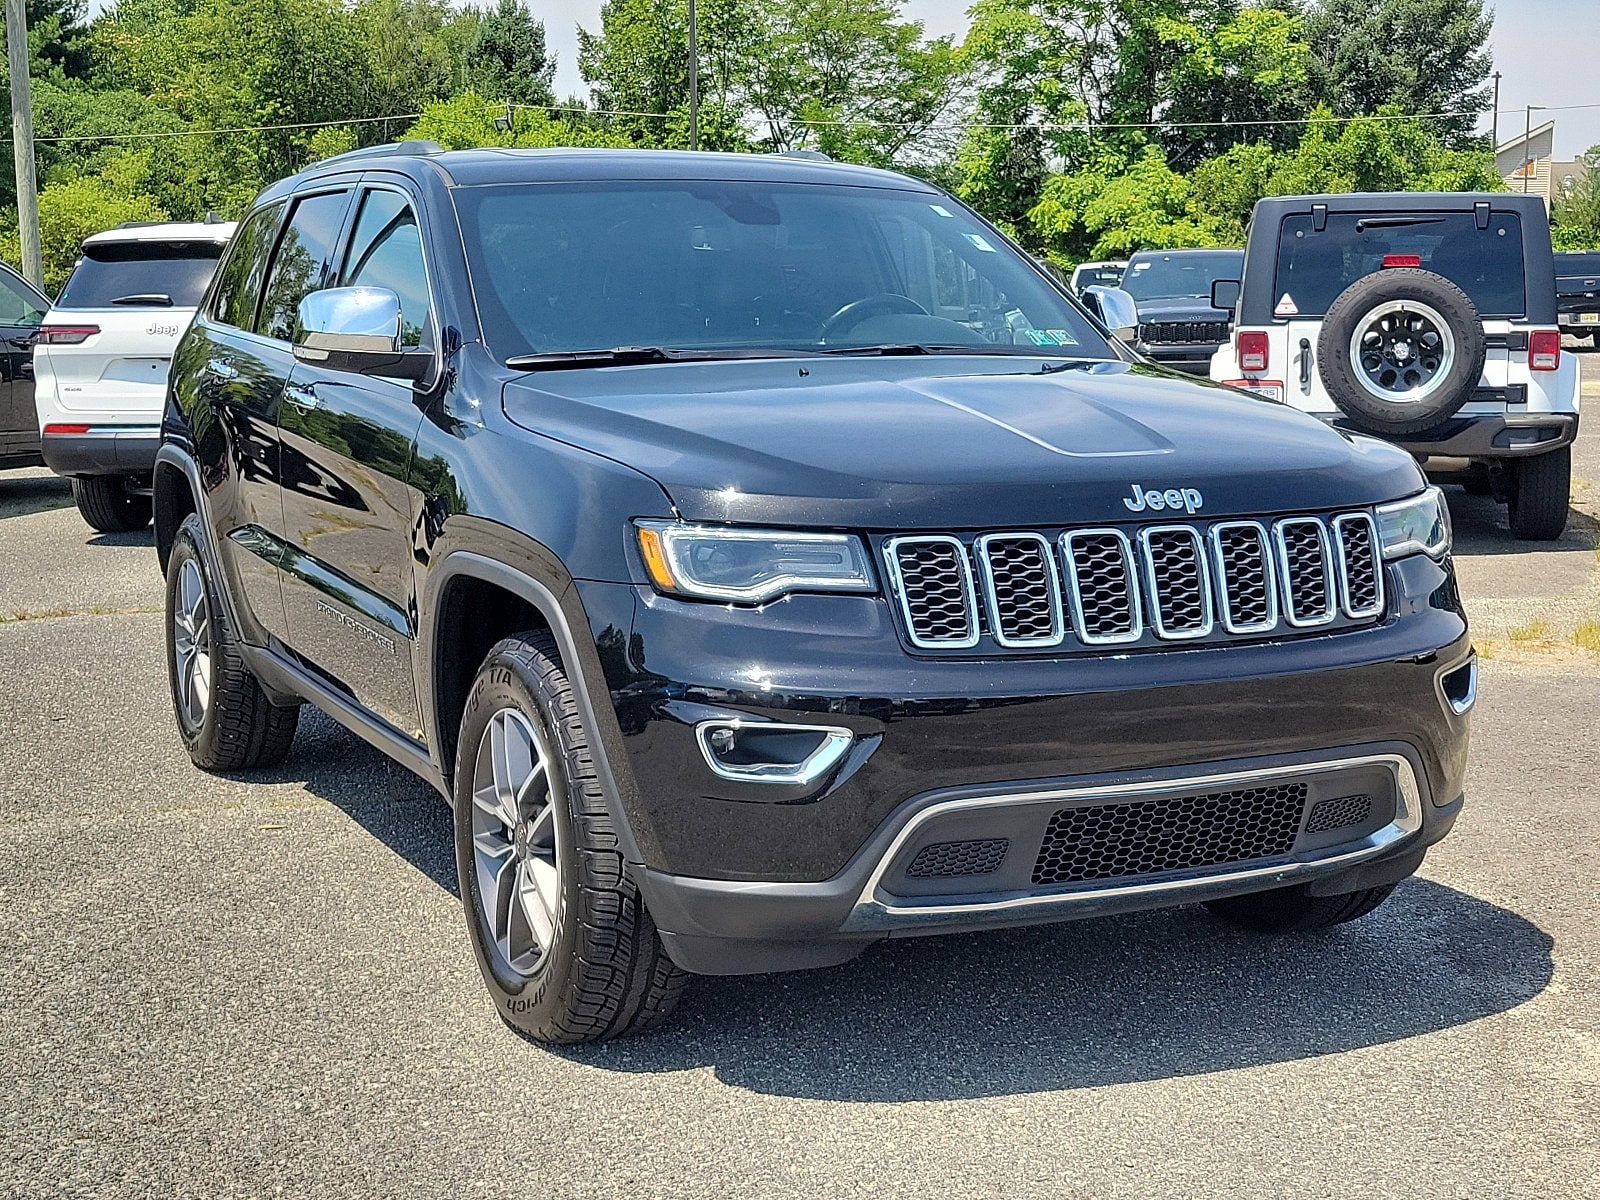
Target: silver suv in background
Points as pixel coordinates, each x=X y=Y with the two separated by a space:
x=103 y=354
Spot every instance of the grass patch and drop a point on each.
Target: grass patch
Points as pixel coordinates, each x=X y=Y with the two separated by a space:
x=1587 y=635
x=1533 y=631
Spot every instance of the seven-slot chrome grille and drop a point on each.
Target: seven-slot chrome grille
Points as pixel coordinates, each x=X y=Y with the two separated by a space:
x=1155 y=333
x=1148 y=585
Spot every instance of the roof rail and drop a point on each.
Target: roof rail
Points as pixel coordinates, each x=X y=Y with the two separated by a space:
x=810 y=155
x=415 y=147
x=139 y=224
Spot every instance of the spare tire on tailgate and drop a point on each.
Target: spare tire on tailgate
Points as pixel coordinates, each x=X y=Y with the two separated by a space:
x=1400 y=350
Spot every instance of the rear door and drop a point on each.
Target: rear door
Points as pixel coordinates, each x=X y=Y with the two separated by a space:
x=347 y=509
x=21 y=310
x=134 y=298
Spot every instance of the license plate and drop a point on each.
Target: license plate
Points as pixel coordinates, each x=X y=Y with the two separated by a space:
x=1589 y=318
x=1272 y=391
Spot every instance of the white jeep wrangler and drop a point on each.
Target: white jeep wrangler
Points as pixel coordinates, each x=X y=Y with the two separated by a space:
x=1427 y=319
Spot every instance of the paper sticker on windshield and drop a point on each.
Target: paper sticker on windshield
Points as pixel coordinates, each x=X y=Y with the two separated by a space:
x=941 y=210
x=977 y=240
x=1286 y=306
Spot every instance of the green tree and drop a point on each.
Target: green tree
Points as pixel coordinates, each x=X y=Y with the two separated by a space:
x=467 y=120
x=71 y=210
x=507 y=59
x=1575 y=209
x=1422 y=56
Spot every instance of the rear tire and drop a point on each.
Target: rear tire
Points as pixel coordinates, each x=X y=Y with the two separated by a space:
x=564 y=943
x=1541 y=491
x=226 y=721
x=1292 y=910
x=107 y=505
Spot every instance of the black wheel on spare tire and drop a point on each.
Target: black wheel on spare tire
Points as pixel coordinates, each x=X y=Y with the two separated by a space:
x=226 y=721
x=1400 y=351
x=559 y=929
x=1541 y=491
x=1293 y=910
x=106 y=504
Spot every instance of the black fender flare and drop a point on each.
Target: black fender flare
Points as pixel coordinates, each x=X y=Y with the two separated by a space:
x=495 y=554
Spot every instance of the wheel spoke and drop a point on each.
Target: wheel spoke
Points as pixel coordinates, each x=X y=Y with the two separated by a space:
x=542 y=829
x=537 y=894
x=489 y=800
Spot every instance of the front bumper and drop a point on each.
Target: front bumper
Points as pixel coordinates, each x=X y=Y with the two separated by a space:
x=1518 y=435
x=102 y=450
x=747 y=877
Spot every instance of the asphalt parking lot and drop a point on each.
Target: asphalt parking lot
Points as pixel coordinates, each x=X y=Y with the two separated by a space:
x=262 y=986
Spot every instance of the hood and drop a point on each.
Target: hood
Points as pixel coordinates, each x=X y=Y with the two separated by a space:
x=949 y=442
x=1181 y=308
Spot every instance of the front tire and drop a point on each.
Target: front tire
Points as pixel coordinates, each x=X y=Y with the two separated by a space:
x=562 y=937
x=1293 y=910
x=226 y=721
x=1541 y=491
x=105 y=502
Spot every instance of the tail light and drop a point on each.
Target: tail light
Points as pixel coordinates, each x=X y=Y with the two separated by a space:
x=1544 y=350
x=1401 y=260
x=1252 y=351
x=60 y=428
x=66 y=335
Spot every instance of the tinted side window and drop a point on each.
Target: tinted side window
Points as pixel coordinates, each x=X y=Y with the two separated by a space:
x=386 y=252
x=18 y=306
x=302 y=259
x=239 y=283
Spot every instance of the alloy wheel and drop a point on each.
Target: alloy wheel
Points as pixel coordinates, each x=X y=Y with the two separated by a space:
x=515 y=841
x=1403 y=350
x=191 y=645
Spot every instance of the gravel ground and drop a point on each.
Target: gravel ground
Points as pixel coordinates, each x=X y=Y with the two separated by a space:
x=256 y=987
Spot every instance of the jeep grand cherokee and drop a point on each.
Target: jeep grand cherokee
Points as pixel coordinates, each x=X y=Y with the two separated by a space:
x=765 y=558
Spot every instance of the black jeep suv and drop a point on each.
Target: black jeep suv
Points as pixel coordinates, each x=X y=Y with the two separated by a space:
x=765 y=558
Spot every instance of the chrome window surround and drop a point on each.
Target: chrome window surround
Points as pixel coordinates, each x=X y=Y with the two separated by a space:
x=1135 y=607
x=969 y=597
x=1286 y=578
x=1371 y=526
x=1269 y=577
x=1157 y=617
x=986 y=570
x=872 y=912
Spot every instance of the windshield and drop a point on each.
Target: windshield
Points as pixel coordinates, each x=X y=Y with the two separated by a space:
x=746 y=266
x=1184 y=276
x=141 y=274
x=1314 y=267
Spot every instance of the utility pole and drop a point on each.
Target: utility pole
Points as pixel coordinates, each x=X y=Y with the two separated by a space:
x=22 y=140
x=1527 y=149
x=694 y=79
x=1494 y=117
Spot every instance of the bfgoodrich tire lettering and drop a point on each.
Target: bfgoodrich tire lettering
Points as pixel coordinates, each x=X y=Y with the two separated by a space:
x=1353 y=386
x=224 y=718
x=601 y=970
x=105 y=502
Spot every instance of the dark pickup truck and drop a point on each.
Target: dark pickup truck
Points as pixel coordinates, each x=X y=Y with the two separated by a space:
x=1578 y=292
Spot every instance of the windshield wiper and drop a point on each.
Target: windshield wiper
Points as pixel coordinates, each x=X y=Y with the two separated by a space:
x=888 y=349
x=1366 y=223
x=627 y=356
x=150 y=299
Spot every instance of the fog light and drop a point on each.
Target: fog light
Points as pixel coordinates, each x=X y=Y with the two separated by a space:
x=771 y=752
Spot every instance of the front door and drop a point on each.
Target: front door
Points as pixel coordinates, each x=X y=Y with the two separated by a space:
x=347 y=517
x=21 y=310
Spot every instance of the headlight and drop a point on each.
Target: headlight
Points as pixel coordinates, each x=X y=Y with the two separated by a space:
x=749 y=566
x=1420 y=525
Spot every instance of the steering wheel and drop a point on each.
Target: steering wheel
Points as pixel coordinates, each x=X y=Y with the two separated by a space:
x=857 y=311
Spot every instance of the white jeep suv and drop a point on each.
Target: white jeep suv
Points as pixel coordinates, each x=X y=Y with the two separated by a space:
x=102 y=357
x=1427 y=319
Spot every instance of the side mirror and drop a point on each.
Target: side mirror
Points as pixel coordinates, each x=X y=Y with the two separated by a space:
x=1117 y=310
x=357 y=329
x=1225 y=294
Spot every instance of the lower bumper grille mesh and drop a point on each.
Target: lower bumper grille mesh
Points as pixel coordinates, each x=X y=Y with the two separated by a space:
x=1339 y=812
x=1110 y=841
x=958 y=858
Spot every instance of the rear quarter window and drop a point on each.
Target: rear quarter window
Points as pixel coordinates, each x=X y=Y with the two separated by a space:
x=141 y=275
x=1315 y=266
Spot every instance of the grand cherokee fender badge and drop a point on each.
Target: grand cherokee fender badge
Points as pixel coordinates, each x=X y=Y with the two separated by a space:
x=1188 y=499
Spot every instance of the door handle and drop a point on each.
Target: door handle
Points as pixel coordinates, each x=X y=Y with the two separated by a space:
x=222 y=369
x=303 y=394
x=1305 y=363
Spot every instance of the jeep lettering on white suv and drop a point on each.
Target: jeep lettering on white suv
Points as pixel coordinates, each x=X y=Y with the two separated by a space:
x=103 y=354
x=1428 y=319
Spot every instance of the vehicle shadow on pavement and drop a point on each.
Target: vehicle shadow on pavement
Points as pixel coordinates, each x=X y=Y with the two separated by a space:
x=1481 y=528
x=24 y=495
x=1118 y=1000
